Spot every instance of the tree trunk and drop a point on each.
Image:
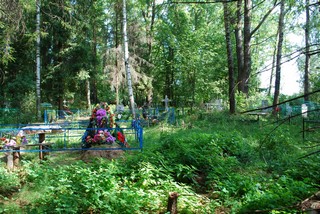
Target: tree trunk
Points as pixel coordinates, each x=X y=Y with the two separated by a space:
x=273 y=66
x=279 y=55
x=117 y=43
x=38 y=62
x=230 y=58
x=88 y=94
x=307 y=60
x=126 y=59
x=149 y=17
x=169 y=75
x=239 y=47
x=247 y=49
x=248 y=33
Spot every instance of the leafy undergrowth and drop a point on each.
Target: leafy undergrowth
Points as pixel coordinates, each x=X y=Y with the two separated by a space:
x=216 y=164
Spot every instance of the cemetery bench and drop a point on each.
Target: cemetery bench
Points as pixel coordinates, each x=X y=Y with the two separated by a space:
x=15 y=151
x=14 y=155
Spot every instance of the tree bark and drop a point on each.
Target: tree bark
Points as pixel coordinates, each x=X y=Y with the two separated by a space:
x=279 y=55
x=88 y=95
x=273 y=66
x=38 y=62
x=126 y=59
x=247 y=49
x=169 y=75
x=239 y=47
x=307 y=59
x=248 y=33
x=230 y=58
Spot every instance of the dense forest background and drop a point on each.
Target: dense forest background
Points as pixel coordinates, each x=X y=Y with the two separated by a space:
x=192 y=52
x=195 y=52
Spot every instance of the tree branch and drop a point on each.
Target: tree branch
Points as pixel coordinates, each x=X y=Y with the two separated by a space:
x=263 y=19
x=258 y=109
x=202 y=2
x=312 y=153
x=314 y=4
x=298 y=52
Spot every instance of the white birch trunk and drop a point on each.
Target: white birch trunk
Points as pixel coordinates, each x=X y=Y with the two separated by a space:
x=88 y=94
x=126 y=59
x=38 y=63
x=307 y=60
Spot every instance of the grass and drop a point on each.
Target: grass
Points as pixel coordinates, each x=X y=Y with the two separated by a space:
x=216 y=162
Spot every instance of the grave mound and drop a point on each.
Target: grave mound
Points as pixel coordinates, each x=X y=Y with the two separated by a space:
x=113 y=153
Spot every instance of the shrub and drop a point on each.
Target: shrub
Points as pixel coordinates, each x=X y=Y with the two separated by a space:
x=9 y=181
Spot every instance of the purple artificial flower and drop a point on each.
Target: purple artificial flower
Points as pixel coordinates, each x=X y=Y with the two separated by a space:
x=101 y=113
x=109 y=137
x=24 y=140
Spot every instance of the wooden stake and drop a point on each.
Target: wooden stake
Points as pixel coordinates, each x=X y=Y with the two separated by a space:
x=173 y=203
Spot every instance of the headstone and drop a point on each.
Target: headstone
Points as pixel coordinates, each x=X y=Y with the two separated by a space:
x=304 y=110
x=120 y=108
x=218 y=104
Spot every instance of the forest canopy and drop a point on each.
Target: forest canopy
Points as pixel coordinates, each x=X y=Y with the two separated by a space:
x=192 y=51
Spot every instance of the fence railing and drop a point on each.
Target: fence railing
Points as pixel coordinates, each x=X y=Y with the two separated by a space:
x=63 y=137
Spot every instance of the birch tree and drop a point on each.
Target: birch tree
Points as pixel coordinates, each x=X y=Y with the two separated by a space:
x=239 y=43
x=38 y=63
x=126 y=59
x=307 y=54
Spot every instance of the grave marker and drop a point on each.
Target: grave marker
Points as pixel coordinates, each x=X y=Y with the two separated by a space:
x=166 y=101
x=218 y=104
x=120 y=108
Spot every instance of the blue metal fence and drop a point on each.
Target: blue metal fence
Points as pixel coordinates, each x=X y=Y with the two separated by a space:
x=66 y=136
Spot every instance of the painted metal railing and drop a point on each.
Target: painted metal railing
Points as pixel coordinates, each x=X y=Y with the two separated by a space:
x=65 y=136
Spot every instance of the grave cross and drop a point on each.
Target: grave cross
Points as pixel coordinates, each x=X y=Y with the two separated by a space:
x=166 y=101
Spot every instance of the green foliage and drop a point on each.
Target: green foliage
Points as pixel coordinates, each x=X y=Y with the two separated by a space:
x=104 y=187
x=274 y=193
x=9 y=182
x=28 y=108
x=237 y=166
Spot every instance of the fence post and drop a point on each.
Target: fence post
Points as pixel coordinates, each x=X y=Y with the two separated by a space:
x=42 y=137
